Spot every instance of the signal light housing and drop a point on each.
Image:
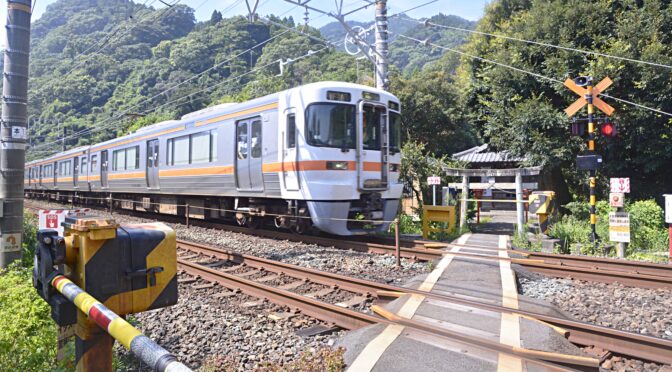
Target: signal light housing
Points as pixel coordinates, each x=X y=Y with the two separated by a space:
x=608 y=129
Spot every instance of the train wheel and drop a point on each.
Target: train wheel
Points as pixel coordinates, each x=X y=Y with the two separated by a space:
x=241 y=219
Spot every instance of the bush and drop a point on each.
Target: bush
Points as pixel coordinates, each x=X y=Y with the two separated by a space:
x=29 y=238
x=647 y=226
x=28 y=336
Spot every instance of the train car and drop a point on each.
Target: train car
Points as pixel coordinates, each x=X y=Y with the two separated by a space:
x=325 y=155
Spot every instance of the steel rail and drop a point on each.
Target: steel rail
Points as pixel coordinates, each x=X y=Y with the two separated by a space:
x=600 y=263
x=331 y=314
x=351 y=319
x=621 y=342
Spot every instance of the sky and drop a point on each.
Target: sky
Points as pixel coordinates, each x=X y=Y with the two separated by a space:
x=469 y=9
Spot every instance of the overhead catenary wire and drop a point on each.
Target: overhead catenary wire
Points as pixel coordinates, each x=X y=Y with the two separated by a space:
x=540 y=76
x=549 y=45
x=256 y=69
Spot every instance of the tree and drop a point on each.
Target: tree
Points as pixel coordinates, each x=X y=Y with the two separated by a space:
x=216 y=17
x=527 y=109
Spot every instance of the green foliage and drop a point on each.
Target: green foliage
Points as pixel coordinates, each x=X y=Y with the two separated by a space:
x=432 y=113
x=28 y=337
x=647 y=228
x=417 y=164
x=407 y=225
x=520 y=113
x=29 y=238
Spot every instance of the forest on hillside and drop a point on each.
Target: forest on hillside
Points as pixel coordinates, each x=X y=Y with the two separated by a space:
x=98 y=66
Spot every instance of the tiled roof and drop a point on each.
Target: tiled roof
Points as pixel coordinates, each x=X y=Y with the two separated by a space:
x=479 y=154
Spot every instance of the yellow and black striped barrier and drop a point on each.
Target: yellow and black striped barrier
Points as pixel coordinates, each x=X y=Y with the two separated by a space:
x=153 y=355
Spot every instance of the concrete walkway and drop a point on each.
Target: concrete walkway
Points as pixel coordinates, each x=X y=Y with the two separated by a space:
x=398 y=348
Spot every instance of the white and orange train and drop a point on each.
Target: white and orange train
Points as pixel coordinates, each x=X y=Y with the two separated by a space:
x=325 y=154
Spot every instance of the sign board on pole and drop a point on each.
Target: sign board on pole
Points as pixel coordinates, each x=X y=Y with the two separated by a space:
x=616 y=199
x=619 y=227
x=10 y=242
x=52 y=219
x=620 y=185
x=434 y=180
x=668 y=208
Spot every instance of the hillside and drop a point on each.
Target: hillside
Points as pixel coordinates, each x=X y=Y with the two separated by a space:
x=405 y=54
x=95 y=61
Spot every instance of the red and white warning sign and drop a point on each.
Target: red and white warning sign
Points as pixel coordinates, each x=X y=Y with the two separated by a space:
x=620 y=185
x=52 y=219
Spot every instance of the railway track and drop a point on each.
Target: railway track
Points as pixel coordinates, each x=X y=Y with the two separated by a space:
x=236 y=272
x=363 y=291
x=599 y=269
x=585 y=334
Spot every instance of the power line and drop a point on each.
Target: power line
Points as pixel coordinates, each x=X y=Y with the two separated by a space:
x=100 y=127
x=126 y=32
x=146 y=100
x=587 y=52
x=426 y=42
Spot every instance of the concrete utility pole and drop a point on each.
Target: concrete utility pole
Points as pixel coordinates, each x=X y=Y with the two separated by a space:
x=382 y=81
x=13 y=129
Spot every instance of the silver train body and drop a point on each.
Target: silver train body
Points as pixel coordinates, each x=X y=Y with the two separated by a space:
x=322 y=154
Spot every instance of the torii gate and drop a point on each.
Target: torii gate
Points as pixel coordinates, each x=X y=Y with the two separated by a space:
x=517 y=172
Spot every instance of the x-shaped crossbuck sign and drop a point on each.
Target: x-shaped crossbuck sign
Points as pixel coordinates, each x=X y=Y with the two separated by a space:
x=583 y=93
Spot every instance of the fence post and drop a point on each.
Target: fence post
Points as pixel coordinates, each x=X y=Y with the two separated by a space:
x=397 y=249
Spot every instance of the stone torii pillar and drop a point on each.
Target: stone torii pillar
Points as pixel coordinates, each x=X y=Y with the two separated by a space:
x=464 y=204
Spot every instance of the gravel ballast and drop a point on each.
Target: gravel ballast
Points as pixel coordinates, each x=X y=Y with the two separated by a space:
x=640 y=310
x=201 y=327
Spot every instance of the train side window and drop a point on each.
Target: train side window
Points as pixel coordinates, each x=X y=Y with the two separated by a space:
x=118 y=160
x=213 y=145
x=82 y=164
x=179 y=150
x=291 y=131
x=200 y=147
x=94 y=162
x=256 y=139
x=241 y=135
x=133 y=157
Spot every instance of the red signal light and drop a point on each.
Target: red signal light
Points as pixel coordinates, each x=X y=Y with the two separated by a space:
x=608 y=129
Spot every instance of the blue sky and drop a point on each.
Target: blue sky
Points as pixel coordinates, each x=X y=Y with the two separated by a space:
x=469 y=9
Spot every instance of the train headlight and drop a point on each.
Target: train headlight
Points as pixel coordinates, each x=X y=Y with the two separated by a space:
x=337 y=165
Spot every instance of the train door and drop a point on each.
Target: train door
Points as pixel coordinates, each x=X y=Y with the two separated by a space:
x=372 y=135
x=256 y=159
x=242 y=155
x=290 y=155
x=75 y=171
x=249 y=175
x=39 y=182
x=103 y=169
x=54 y=171
x=152 y=164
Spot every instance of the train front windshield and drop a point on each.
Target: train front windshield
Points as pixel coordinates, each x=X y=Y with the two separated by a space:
x=333 y=125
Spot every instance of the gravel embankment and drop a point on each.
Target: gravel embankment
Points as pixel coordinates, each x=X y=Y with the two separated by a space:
x=640 y=310
x=203 y=329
